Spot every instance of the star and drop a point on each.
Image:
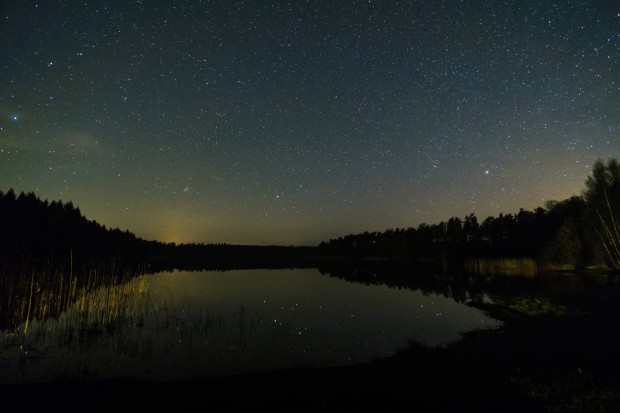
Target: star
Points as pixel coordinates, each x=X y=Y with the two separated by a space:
x=367 y=107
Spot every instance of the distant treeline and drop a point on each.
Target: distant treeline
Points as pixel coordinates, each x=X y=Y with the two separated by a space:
x=578 y=232
x=32 y=228
x=555 y=234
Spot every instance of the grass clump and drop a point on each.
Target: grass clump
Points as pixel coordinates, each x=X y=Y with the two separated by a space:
x=526 y=267
x=535 y=306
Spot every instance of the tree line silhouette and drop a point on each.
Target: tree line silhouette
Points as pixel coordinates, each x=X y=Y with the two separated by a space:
x=551 y=234
x=35 y=229
x=580 y=231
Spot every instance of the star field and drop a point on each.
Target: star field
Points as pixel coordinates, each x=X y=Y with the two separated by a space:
x=292 y=122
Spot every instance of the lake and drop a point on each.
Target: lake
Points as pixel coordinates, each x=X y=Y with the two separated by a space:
x=183 y=325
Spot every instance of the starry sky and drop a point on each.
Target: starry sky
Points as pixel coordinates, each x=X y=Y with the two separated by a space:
x=292 y=122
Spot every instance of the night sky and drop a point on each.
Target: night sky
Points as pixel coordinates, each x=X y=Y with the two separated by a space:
x=292 y=122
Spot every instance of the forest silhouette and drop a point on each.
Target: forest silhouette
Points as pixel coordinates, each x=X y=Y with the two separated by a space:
x=578 y=232
x=33 y=229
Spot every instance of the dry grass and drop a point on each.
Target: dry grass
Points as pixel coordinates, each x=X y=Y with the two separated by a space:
x=96 y=296
x=502 y=266
x=609 y=235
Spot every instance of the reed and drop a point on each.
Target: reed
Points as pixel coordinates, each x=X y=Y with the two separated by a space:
x=50 y=311
x=509 y=267
x=29 y=304
x=609 y=235
x=89 y=303
x=28 y=294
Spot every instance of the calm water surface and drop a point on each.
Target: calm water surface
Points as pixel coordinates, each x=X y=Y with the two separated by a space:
x=184 y=325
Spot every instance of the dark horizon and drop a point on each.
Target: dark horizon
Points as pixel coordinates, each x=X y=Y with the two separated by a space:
x=17 y=194
x=363 y=231
x=560 y=235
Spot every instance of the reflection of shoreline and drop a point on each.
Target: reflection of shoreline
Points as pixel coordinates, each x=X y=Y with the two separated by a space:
x=429 y=279
x=228 y=264
x=138 y=329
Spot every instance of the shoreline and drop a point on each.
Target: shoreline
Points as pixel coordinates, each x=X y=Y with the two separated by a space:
x=543 y=363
